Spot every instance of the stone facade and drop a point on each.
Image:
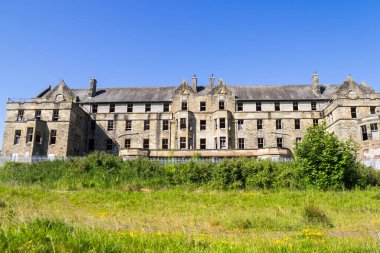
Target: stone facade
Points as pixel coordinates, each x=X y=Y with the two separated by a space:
x=214 y=120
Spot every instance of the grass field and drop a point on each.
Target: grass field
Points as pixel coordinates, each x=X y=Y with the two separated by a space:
x=40 y=219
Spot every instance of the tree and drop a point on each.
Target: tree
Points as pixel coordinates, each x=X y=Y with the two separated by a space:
x=327 y=162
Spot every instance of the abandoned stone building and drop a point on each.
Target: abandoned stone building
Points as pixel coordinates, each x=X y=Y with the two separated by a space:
x=213 y=120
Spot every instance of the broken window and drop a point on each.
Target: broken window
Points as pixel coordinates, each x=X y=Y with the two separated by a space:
x=353 y=112
x=297 y=124
x=146 y=125
x=110 y=125
x=165 y=143
x=166 y=107
x=260 y=142
x=37 y=114
x=295 y=106
x=259 y=124
x=278 y=124
x=129 y=107
x=202 y=143
x=258 y=106
x=127 y=143
x=55 y=115
x=222 y=123
x=128 y=125
x=182 y=123
x=202 y=125
x=17 y=137
x=165 y=125
x=20 y=115
x=147 y=107
x=279 y=142
x=202 y=106
x=364 y=133
x=277 y=106
x=53 y=137
x=240 y=124
x=182 y=142
x=94 y=108
x=112 y=108
x=241 y=143
x=29 y=134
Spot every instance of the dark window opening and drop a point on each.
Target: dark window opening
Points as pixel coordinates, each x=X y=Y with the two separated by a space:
x=110 y=125
x=223 y=143
x=17 y=137
x=279 y=142
x=221 y=105
x=295 y=106
x=222 y=123
x=165 y=125
x=20 y=115
x=353 y=112
x=37 y=115
x=241 y=143
x=55 y=115
x=182 y=123
x=258 y=106
x=240 y=106
x=297 y=124
x=127 y=143
x=277 y=106
x=109 y=144
x=29 y=134
x=184 y=105
x=129 y=107
x=278 y=124
x=216 y=123
x=364 y=133
x=128 y=125
x=165 y=143
x=202 y=106
x=372 y=109
x=146 y=125
x=53 y=137
x=166 y=107
x=313 y=105
x=147 y=107
x=112 y=108
x=259 y=124
x=94 y=108
x=146 y=144
x=202 y=125
x=202 y=143
x=315 y=122
x=240 y=124
x=260 y=142
x=182 y=142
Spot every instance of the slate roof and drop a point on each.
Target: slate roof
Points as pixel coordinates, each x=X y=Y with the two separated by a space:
x=250 y=92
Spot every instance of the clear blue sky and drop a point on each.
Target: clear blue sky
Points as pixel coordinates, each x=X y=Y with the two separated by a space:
x=129 y=43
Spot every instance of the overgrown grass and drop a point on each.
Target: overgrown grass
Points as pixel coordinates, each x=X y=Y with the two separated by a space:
x=102 y=171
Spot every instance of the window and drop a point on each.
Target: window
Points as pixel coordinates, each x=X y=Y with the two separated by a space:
x=373 y=127
x=216 y=123
x=202 y=143
x=182 y=123
x=240 y=124
x=295 y=106
x=37 y=114
x=53 y=137
x=374 y=131
x=146 y=125
x=17 y=137
x=298 y=140
x=202 y=106
x=109 y=144
x=165 y=143
x=315 y=122
x=259 y=124
x=222 y=123
x=92 y=125
x=29 y=134
x=223 y=142
x=202 y=125
x=241 y=143
x=110 y=125
x=260 y=142
x=279 y=142
x=91 y=145
x=166 y=107
x=184 y=105
x=278 y=124
x=221 y=105
x=182 y=142
x=112 y=108
x=372 y=109
x=258 y=106
x=277 y=106
x=147 y=107
x=129 y=107
x=146 y=144
x=313 y=105
x=165 y=125
x=240 y=106
x=127 y=143
x=94 y=108
x=20 y=115
x=364 y=133
x=353 y=112
x=55 y=115
x=297 y=124
x=128 y=125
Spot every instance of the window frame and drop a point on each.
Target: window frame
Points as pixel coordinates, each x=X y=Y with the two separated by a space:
x=55 y=116
x=202 y=106
x=260 y=143
x=110 y=125
x=278 y=124
x=202 y=125
x=279 y=142
x=354 y=112
x=364 y=132
x=17 y=137
x=223 y=142
x=222 y=124
x=260 y=124
x=109 y=144
x=146 y=144
x=112 y=108
x=94 y=108
x=182 y=142
x=295 y=105
x=37 y=114
x=277 y=106
x=53 y=137
x=165 y=143
x=184 y=105
x=127 y=143
x=148 y=107
x=239 y=106
x=129 y=107
x=29 y=134
x=222 y=105
x=297 y=124
x=313 y=105
x=258 y=107
x=146 y=125
x=166 y=107
x=128 y=125
x=241 y=143
x=165 y=125
x=372 y=110
x=182 y=123
x=240 y=124
x=202 y=146
x=20 y=115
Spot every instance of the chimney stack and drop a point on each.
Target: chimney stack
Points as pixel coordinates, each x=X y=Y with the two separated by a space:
x=212 y=80
x=92 y=90
x=315 y=85
x=195 y=81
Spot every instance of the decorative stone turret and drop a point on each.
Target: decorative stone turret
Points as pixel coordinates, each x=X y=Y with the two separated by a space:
x=212 y=80
x=195 y=81
x=315 y=86
x=92 y=90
